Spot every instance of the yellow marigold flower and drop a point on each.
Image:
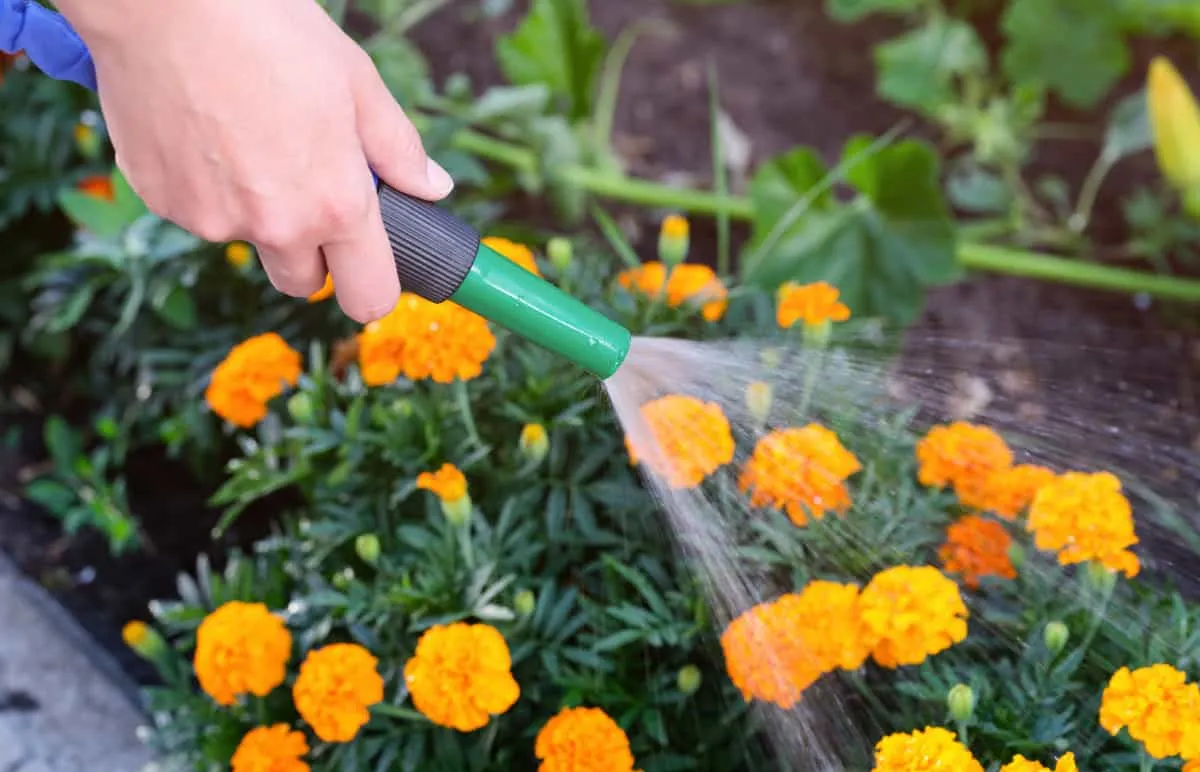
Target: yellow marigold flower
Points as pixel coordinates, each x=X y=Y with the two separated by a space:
x=925 y=749
x=689 y=283
x=976 y=547
x=241 y=648
x=252 y=373
x=1085 y=517
x=814 y=304
x=1009 y=492
x=419 y=339
x=691 y=439
x=766 y=654
x=673 y=239
x=325 y=292
x=518 y=253
x=534 y=444
x=830 y=618
x=1175 y=122
x=962 y=455
x=275 y=748
x=461 y=675
x=582 y=740
x=238 y=254
x=1157 y=706
x=336 y=686
x=911 y=612
x=1066 y=763
x=801 y=472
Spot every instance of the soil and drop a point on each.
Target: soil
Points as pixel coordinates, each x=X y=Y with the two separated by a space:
x=788 y=75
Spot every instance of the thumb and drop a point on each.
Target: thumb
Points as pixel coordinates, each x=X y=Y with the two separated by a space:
x=392 y=144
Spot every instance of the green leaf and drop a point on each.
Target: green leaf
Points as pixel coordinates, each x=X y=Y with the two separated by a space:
x=853 y=10
x=126 y=201
x=1071 y=47
x=176 y=307
x=69 y=314
x=95 y=215
x=918 y=68
x=555 y=45
x=52 y=495
x=401 y=65
x=881 y=250
x=1128 y=129
x=62 y=443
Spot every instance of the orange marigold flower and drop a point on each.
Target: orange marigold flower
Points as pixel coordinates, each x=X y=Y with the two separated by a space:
x=689 y=283
x=814 y=304
x=1085 y=517
x=1066 y=763
x=419 y=339
x=829 y=616
x=976 y=547
x=582 y=740
x=690 y=440
x=461 y=675
x=925 y=749
x=336 y=686
x=275 y=748
x=96 y=186
x=800 y=471
x=448 y=483
x=241 y=648
x=911 y=612
x=135 y=633
x=238 y=254
x=962 y=455
x=1009 y=492
x=1192 y=765
x=518 y=253
x=1158 y=707
x=325 y=292
x=253 y=372
x=766 y=654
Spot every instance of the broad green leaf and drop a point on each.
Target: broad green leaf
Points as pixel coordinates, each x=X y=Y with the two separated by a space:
x=918 y=68
x=1071 y=47
x=854 y=10
x=127 y=202
x=52 y=495
x=95 y=215
x=401 y=65
x=176 y=307
x=1161 y=17
x=62 y=442
x=881 y=250
x=557 y=45
x=1128 y=127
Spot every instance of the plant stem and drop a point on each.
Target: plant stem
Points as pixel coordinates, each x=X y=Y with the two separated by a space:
x=1010 y=261
x=464 y=407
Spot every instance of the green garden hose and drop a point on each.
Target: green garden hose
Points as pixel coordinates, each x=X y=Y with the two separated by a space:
x=439 y=257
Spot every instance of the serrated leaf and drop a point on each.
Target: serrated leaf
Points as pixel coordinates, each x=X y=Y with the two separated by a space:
x=918 y=68
x=881 y=250
x=1071 y=47
x=555 y=45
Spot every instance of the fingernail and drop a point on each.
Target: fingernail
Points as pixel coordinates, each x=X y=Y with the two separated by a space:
x=439 y=178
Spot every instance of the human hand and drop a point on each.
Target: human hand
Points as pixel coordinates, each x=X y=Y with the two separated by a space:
x=258 y=121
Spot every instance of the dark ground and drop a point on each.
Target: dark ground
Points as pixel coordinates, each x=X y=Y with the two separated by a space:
x=788 y=76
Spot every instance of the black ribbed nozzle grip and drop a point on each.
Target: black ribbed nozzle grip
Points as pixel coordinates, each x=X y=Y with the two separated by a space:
x=432 y=248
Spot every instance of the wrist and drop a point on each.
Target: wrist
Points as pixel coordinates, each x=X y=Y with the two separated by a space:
x=100 y=21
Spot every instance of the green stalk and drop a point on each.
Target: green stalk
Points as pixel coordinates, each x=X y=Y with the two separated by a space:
x=1009 y=261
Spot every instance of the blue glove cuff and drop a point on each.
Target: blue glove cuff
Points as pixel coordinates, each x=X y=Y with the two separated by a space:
x=48 y=40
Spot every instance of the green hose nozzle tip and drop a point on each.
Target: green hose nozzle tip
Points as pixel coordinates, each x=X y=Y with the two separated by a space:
x=498 y=289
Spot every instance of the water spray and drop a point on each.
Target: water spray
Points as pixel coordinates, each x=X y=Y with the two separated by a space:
x=437 y=256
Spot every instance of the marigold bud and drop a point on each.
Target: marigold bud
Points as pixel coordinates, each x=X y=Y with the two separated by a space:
x=525 y=603
x=1055 y=636
x=817 y=335
x=559 y=251
x=689 y=679
x=961 y=702
x=770 y=358
x=143 y=639
x=367 y=547
x=86 y=141
x=759 y=396
x=1099 y=578
x=299 y=407
x=457 y=511
x=1175 y=123
x=673 y=240
x=534 y=443
x=343 y=578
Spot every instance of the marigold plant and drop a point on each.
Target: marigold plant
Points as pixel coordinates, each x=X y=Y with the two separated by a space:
x=1157 y=706
x=688 y=439
x=276 y=748
x=964 y=456
x=422 y=340
x=241 y=648
x=924 y=749
x=813 y=304
x=583 y=739
x=801 y=471
x=829 y=614
x=689 y=283
x=461 y=675
x=253 y=373
x=518 y=253
x=767 y=656
x=334 y=689
x=1008 y=492
x=911 y=613
x=1085 y=517
x=1065 y=763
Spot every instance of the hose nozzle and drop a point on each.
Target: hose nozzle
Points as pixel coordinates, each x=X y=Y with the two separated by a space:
x=441 y=258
